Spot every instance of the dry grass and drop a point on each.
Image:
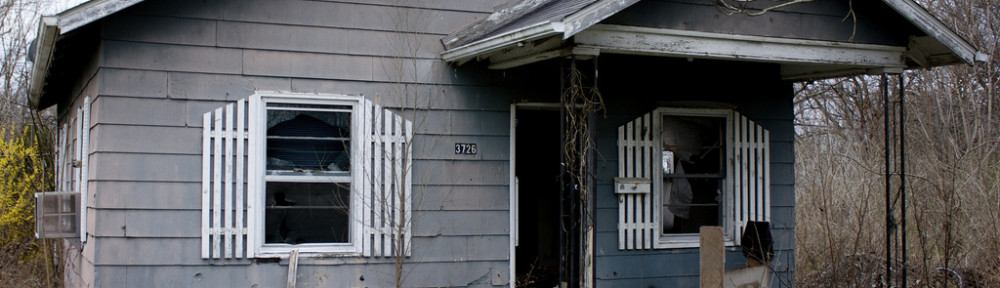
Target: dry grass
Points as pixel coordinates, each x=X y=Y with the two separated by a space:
x=26 y=264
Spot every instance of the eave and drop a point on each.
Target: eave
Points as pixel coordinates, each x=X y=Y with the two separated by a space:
x=937 y=30
x=801 y=59
x=48 y=31
x=565 y=27
x=52 y=29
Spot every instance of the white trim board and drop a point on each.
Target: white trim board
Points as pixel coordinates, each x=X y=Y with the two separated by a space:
x=91 y=11
x=935 y=28
x=681 y=43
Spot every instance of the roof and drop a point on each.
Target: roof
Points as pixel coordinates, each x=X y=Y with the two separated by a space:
x=535 y=19
x=529 y=20
x=524 y=20
x=52 y=28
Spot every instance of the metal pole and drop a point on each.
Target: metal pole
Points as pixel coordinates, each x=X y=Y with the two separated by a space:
x=902 y=167
x=574 y=193
x=888 y=182
x=562 y=178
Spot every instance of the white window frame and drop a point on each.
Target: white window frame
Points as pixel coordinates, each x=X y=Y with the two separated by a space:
x=690 y=240
x=259 y=177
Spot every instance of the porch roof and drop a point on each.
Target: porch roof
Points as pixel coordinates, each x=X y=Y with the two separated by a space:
x=534 y=30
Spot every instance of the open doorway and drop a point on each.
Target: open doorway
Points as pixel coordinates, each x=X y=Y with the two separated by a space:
x=537 y=154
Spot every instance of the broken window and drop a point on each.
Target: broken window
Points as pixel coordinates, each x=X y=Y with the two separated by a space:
x=693 y=172
x=308 y=179
x=706 y=167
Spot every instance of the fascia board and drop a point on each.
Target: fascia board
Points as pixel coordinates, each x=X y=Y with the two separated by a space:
x=485 y=46
x=935 y=28
x=91 y=11
x=683 y=43
x=48 y=31
x=593 y=14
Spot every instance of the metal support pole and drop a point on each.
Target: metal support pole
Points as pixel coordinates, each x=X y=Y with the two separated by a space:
x=902 y=168
x=888 y=182
x=562 y=178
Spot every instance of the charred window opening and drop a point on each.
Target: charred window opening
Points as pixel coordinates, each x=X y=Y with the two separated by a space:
x=693 y=172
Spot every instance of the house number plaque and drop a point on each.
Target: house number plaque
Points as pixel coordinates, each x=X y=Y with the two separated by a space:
x=466 y=148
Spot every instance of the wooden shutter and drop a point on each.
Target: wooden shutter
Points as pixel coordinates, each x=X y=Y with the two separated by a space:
x=83 y=156
x=749 y=186
x=386 y=192
x=747 y=189
x=385 y=181
x=636 y=159
x=224 y=204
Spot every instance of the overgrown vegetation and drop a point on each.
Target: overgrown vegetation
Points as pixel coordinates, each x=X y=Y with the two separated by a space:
x=25 y=157
x=952 y=171
x=24 y=170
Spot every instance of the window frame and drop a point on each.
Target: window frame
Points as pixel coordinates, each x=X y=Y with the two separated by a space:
x=691 y=240
x=259 y=178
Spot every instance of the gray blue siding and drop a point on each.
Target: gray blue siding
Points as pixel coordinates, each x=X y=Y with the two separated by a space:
x=162 y=64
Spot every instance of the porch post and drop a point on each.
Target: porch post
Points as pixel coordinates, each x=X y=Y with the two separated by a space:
x=888 y=182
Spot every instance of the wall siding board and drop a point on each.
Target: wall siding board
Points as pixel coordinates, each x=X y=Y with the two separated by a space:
x=361 y=275
x=782 y=152
x=346 y=15
x=782 y=217
x=285 y=38
x=147 y=195
x=133 y=83
x=783 y=195
x=169 y=30
x=394 y=43
x=147 y=251
x=148 y=167
x=112 y=223
x=480 y=123
x=443 y=147
x=802 y=21
x=446 y=172
x=459 y=223
x=422 y=96
x=308 y=65
x=134 y=111
x=162 y=223
x=163 y=57
x=468 y=198
x=197 y=86
x=105 y=276
x=460 y=248
x=144 y=139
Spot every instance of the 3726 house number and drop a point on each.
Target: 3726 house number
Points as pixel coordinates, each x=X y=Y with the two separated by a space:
x=466 y=148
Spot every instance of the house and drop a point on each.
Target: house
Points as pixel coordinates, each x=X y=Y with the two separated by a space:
x=234 y=143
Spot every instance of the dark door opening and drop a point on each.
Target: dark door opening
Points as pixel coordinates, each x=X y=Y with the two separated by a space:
x=537 y=169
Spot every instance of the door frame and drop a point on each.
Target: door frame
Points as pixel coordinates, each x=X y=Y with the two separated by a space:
x=513 y=183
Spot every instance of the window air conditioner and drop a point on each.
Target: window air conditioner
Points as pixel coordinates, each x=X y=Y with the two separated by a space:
x=57 y=214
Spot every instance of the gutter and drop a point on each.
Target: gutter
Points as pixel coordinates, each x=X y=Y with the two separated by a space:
x=48 y=31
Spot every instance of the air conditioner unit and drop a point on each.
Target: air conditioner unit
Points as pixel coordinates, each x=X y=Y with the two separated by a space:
x=57 y=214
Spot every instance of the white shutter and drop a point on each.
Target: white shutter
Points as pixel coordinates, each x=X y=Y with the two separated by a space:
x=749 y=188
x=636 y=159
x=83 y=141
x=386 y=192
x=61 y=151
x=223 y=203
x=227 y=199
